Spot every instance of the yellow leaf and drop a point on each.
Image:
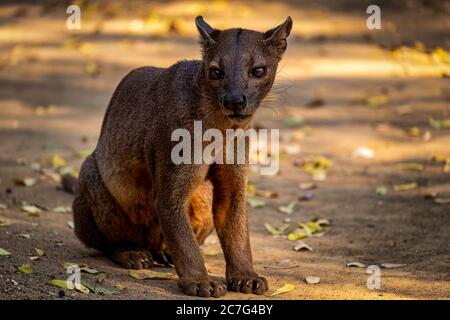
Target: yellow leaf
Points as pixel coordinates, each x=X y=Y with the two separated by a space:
x=267 y=194
x=377 y=100
x=414 y=132
x=405 y=187
x=288 y=287
x=68 y=285
x=251 y=189
x=58 y=161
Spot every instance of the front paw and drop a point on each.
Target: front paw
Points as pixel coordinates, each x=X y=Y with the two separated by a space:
x=248 y=284
x=206 y=288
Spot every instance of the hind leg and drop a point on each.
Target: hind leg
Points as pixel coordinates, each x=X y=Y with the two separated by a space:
x=101 y=224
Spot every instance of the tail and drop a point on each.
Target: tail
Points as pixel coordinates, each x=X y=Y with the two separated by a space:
x=69 y=183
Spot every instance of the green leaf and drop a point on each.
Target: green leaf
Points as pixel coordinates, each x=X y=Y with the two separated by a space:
x=151 y=275
x=39 y=252
x=99 y=290
x=3 y=252
x=26 y=268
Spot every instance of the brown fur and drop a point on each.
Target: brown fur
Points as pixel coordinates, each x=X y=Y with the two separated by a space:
x=135 y=205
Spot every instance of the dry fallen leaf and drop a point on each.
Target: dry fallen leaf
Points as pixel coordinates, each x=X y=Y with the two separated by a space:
x=302 y=246
x=62 y=209
x=363 y=152
x=151 y=275
x=40 y=253
x=276 y=230
x=392 y=265
x=26 y=182
x=404 y=109
x=291 y=149
x=356 y=265
x=212 y=251
x=322 y=222
x=308 y=186
x=267 y=194
x=32 y=210
x=120 y=287
x=412 y=166
x=5 y=222
x=288 y=209
x=255 y=203
x=288 y=287
x=312 y=280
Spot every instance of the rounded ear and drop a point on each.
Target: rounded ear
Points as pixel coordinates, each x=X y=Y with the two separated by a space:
x=277 y=36
x=206 y=32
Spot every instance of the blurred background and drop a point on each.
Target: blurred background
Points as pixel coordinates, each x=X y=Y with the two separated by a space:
x=364 y=118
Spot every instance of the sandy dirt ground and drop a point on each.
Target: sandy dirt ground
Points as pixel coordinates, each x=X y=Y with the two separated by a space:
x=345 y=83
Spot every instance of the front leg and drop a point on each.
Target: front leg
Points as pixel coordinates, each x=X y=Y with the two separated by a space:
x=231 y=222
x=175 y=186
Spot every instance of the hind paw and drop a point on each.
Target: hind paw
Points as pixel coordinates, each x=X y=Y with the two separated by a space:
x=132 y=258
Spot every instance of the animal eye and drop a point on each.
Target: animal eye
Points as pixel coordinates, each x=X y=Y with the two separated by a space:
x=259 y=72
x=216 y=74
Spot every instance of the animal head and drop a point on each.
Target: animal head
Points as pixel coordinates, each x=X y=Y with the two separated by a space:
x=240 y=65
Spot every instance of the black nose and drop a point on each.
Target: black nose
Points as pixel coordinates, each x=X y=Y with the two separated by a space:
x=234 y=101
